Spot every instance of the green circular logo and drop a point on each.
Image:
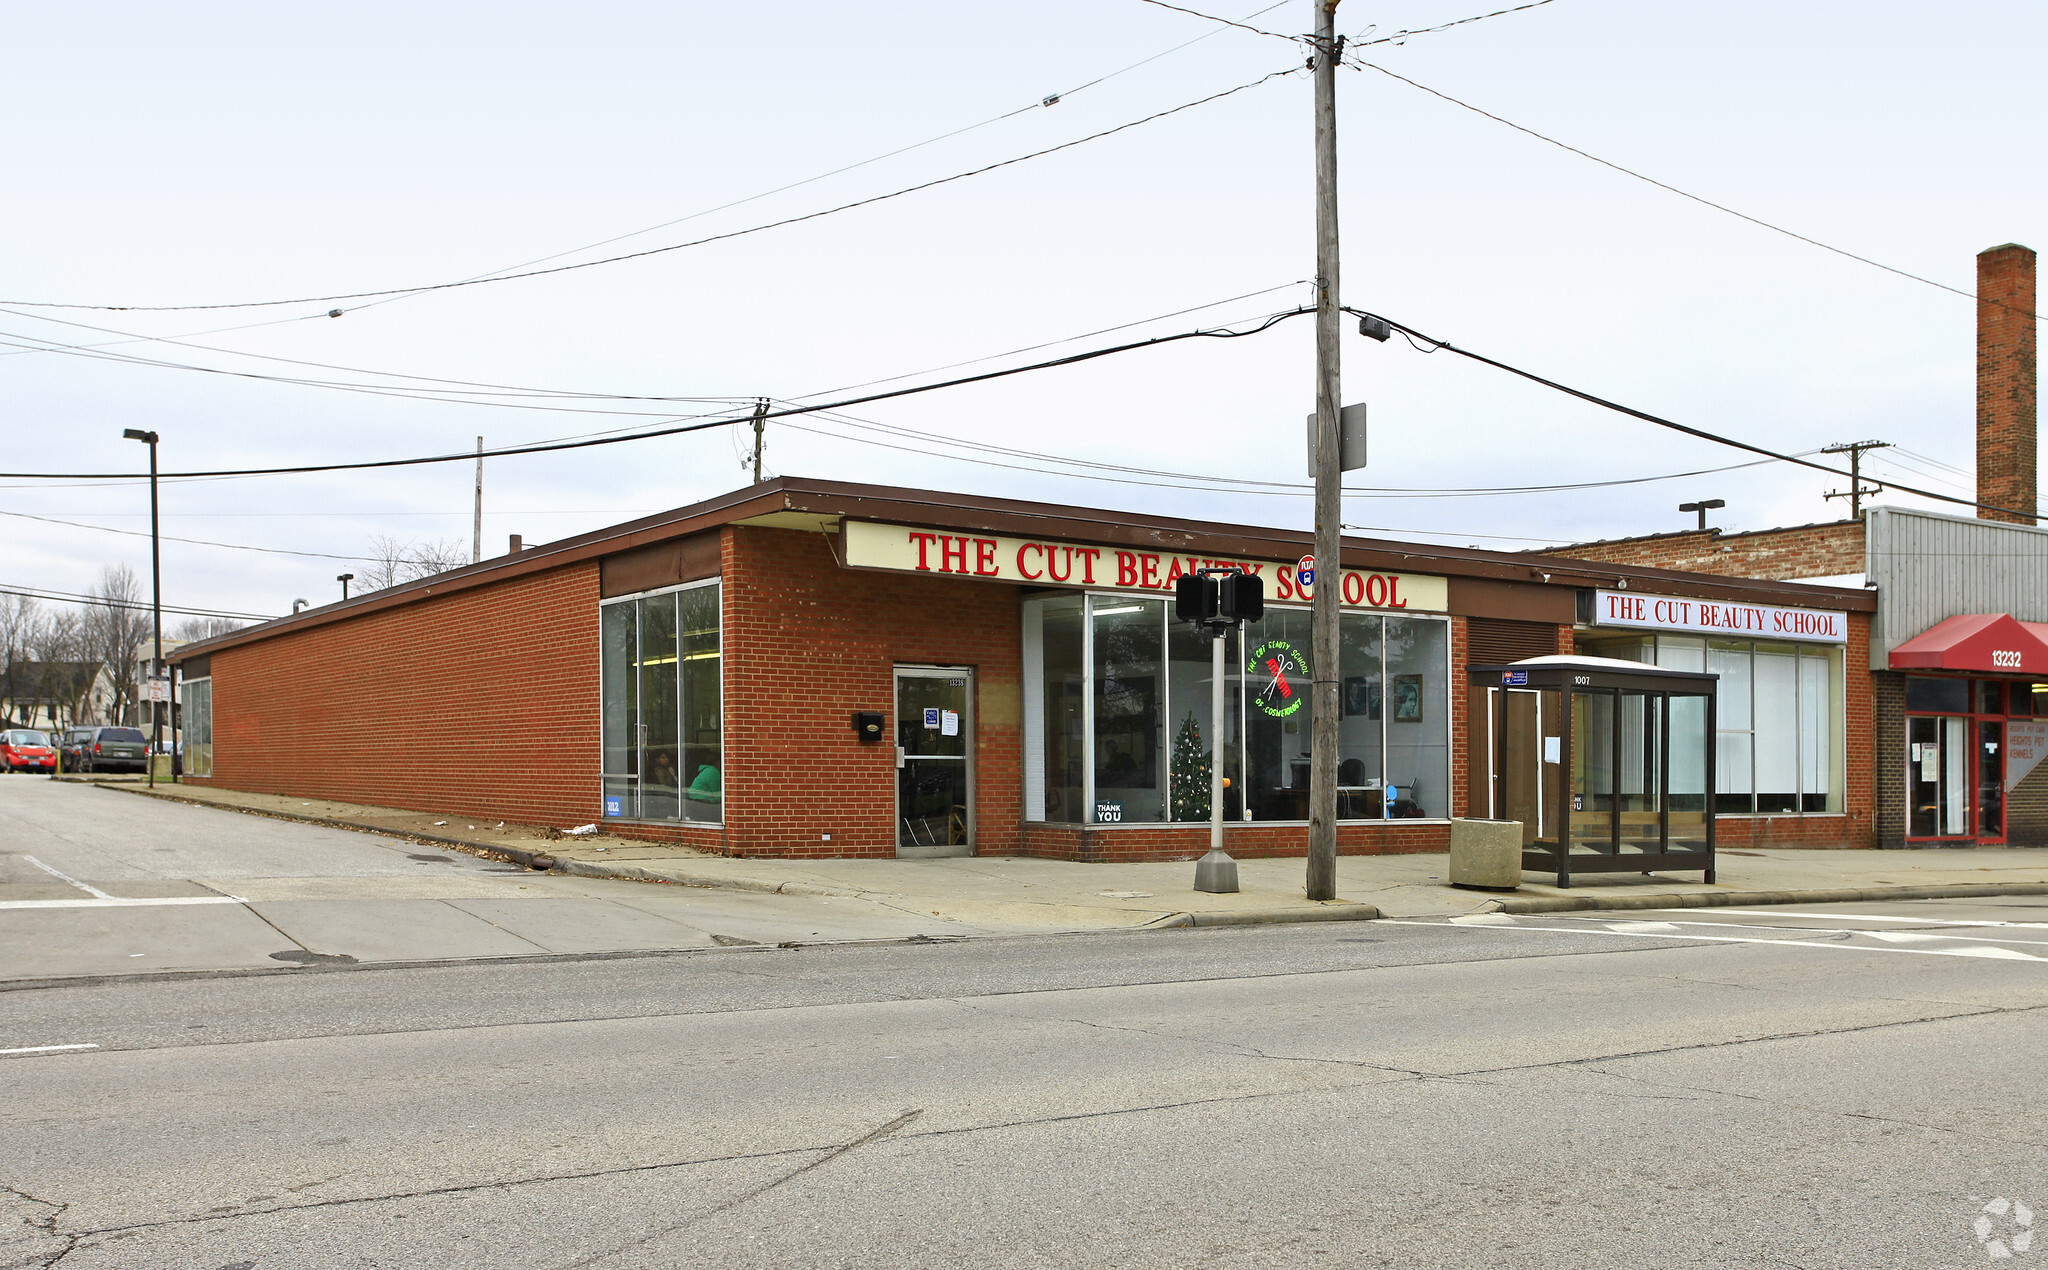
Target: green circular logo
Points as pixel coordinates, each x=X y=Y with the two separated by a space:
x=1279 y=675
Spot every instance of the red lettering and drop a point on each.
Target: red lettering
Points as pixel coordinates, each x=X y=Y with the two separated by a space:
x=1394 y=600
x=1053 y=571
x=951 y=549
x=985 y=558
x=1283 y=582
x=1376 y=590
x=1148 y=572
x=1021 y=566
x=1087 y=555
x=1351 y=589
x=924 y=542
x=1126 y=569
x=1173 y=573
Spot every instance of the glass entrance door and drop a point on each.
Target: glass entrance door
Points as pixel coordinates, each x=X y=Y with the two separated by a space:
x=1937 y=776
x=934 y=761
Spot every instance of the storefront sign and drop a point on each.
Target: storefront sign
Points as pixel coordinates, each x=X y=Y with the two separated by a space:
x=1717 y=617
x=1048 y=563
x=1281 y=672
x=2026 y=741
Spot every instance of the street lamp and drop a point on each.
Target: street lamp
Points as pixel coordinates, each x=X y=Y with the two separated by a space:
x=156 y=602
x=1703 y=507
x=344 y=579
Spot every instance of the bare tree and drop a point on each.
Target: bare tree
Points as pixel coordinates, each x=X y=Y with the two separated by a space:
x=20 y=616
x=394 y=561
x=117 y=626
x=193 y=629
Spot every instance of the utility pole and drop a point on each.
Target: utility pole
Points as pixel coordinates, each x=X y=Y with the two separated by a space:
x=1855 y=492
x=476 y=547
x=1329 y=583
x=156 y=602
x=760 y=434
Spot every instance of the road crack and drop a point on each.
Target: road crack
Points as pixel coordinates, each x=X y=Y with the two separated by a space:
x=46 y=1225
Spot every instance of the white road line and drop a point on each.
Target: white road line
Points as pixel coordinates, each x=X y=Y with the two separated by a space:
x=93 y=891
x=2003 y=954
x=48 y=1049
x=111 y=902
x=1870 y=917
x=1903 y=936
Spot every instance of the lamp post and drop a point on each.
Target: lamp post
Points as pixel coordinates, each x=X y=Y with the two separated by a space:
x=1704 y=506
x=156 y=602
x=344 y=579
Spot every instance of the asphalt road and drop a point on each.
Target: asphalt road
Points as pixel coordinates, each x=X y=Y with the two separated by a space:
x=1845 y=1086
x=97 y=881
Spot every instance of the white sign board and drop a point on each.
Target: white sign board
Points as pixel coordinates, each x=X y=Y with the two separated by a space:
x=1044 y=562
x=1719 y=617
x=156 y=690
x=2026 y=741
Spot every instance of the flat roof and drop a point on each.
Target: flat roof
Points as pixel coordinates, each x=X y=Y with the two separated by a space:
x=804 y=502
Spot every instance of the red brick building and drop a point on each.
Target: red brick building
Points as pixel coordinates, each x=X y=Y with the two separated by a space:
x=817 y=668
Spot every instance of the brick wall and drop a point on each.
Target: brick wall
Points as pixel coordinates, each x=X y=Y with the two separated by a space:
x=1805 y=551
x=806 y=644
x=2005 y=381
x=483 y=703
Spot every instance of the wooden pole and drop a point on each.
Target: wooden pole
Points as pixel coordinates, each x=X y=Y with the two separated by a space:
x=1322 y=782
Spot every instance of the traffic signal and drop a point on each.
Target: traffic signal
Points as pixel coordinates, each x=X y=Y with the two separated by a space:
x=1194 y=598
x=1244 y=597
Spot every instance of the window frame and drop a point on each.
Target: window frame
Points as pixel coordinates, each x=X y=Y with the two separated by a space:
x=604 y=682
x=1034 y=759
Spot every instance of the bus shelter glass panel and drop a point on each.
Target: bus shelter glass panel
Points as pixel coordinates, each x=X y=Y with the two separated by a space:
x=1686 y=795
x=1593 y=770
x=1640 y=775
x=1531 y=745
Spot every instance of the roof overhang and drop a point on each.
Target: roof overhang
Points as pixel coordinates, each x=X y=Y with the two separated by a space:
x=1991 y=643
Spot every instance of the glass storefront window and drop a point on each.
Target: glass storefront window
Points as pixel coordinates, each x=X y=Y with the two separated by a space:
x=1117 y=676
x=196 y=709
x=662 y=704
x=1778 y=743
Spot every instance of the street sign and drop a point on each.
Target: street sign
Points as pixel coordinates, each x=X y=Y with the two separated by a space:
x=1514 y=678
x=156 y=690
x=1305 y=571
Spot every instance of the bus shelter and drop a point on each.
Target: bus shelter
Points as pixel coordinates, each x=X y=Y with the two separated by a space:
x=1608 y=765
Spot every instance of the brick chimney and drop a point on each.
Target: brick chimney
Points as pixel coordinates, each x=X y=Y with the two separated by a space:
x=2005 y=381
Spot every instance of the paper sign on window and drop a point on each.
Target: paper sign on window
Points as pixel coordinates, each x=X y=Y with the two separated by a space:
x=950 y=723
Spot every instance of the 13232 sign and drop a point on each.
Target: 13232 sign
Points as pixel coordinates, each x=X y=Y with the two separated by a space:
x=1281 y=673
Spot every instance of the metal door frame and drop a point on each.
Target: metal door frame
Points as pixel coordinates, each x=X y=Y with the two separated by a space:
x=919 y=670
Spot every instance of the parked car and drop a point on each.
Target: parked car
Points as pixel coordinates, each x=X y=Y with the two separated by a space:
x=71 y=748
x=111 y=750
x=26 y=750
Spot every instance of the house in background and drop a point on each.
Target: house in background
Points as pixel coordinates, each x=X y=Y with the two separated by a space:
x=54 y=695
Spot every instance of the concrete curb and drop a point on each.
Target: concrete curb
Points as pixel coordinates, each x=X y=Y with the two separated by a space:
x=1727 y=899
x=711 y=881
x=1268 y=917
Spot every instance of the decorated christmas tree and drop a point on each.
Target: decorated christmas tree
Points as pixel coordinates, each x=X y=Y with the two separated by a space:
x=1190 y=772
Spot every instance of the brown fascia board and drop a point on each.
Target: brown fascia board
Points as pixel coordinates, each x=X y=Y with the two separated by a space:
x=1018 y=518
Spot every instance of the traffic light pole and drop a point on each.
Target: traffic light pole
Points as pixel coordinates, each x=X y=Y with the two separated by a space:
x=1322 y=780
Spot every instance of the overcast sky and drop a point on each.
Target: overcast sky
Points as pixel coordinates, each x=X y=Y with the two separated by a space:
x=212 y=153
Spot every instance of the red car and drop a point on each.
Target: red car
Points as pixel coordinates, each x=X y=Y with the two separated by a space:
x=22 y=750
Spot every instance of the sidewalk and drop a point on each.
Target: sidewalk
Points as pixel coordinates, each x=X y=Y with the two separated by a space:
x=1018 y=893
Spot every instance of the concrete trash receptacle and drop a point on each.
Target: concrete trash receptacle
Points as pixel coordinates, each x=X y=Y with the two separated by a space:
x=1486 y=855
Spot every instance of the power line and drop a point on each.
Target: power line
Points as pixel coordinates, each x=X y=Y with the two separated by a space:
x=1704 y=202
x=1359 y=41
x=197 y=542
x=134 y=606
x=1196 y=13
x=555 y=446
x=656 y=251
x=1701 y=433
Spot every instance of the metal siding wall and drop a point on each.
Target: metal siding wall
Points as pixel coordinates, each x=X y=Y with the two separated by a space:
x=1929 y=567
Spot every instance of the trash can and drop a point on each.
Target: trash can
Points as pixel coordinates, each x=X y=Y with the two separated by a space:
x=1486 y=855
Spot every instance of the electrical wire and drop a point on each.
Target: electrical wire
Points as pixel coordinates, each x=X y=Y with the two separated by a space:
x=656 y=251
x=1196 y=13
x=197 y=542
x=679 y=429
x=35 y=593
x=1704 y=202
x=1700 y=433
x=1359 y=40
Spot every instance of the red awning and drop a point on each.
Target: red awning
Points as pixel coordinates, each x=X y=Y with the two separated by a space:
x=1994 y=643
